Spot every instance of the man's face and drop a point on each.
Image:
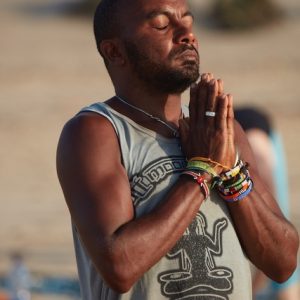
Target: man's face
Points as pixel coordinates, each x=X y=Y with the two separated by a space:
x=160 y=45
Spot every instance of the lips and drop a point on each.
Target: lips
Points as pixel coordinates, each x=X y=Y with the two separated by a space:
x=189 y=54
x=188 y=57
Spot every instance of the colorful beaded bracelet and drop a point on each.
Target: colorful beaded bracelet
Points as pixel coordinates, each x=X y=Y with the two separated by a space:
x=236 y=183
x=232 y=172
x=240 y=196
x=235 y=190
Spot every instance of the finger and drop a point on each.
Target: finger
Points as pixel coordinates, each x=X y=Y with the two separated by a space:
x=212 y=94
x=221 y=113
x=220 y=86
x=202 y=98
x=211 y=103
x=230 y=114
x=210 y=76
x=204 y=78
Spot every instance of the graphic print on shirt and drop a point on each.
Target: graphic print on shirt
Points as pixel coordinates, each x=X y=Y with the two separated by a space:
x=145 y=182
x=198 y=276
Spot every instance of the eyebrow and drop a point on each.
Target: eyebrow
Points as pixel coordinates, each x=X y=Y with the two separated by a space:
x=156 y=13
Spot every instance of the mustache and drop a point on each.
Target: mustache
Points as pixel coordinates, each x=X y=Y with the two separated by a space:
x=182 y=48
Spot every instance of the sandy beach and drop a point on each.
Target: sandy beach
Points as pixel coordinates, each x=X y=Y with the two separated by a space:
x=49 y=69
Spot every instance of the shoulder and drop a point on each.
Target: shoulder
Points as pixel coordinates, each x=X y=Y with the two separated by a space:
x=86 y=121
x=86 y=139
x=86 y=127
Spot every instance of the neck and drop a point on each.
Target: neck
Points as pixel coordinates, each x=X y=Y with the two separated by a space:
x=165 y=107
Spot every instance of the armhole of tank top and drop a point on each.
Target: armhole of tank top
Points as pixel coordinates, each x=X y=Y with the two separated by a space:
x=103 y=114
x=106 y=114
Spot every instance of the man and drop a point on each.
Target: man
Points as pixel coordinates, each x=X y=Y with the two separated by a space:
x=141 y=230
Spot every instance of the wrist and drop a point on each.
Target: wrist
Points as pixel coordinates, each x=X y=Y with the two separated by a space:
x=200 y=179
x=236 y=183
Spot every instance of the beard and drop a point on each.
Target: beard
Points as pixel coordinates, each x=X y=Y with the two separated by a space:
x=161 y=75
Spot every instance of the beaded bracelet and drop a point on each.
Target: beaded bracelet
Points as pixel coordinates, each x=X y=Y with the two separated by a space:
x=236 y=183
x=229 y=196
x=233 y=184
x=236 y=189
x=199 y=178
x=241 y=195
x=208 y=160
x=232 y=172
x=198 y=165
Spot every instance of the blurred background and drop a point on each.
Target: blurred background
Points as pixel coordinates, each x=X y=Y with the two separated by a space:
x=50 y=68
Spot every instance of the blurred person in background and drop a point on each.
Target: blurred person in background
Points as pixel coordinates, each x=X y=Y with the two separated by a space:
x=269 y=153
x=164 y=207
x=19 y=279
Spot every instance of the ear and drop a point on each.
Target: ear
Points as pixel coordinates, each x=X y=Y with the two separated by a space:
x=112 y=53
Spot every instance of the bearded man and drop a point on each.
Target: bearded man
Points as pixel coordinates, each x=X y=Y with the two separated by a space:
x=165 y=202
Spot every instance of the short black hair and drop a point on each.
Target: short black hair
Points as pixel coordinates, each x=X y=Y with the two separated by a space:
x=106 y=21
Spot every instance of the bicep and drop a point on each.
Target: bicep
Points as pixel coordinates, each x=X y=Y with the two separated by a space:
x=93 y=180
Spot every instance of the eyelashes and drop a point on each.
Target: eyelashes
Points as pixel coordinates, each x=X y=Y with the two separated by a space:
x=162 y=27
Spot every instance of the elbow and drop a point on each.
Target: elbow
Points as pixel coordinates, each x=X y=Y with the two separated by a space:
x=117 y=269
x=286 y=263
x=290 y=261
x=117 y=276
x=120 y=281
x=284 y=273
x=281 y=272
x=288 y=269
x=121 y=287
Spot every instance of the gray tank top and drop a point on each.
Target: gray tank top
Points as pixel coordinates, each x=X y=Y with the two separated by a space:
x=206 y=263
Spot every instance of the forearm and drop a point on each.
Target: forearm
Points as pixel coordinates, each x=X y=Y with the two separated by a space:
x=268 y=239
x=137 y=245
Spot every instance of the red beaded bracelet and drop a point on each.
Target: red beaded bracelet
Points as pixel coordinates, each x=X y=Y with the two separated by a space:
x=200 y=179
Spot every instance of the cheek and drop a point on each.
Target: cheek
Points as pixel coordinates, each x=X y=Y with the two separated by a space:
x=157 y=49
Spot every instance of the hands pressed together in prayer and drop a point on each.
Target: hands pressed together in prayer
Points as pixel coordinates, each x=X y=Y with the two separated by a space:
x=209 y=131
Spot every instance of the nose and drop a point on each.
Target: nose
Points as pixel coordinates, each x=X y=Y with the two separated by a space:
x=188 y=38
x=185 y=36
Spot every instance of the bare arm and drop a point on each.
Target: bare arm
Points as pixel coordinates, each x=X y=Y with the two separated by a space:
x=97 y=192
x=269 y=240
x=264 y=155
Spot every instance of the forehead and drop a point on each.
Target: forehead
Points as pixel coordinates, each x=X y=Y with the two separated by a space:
x=139 y=10
x=146 y=5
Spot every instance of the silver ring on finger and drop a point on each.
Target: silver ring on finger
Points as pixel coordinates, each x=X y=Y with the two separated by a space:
x=210 y=114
